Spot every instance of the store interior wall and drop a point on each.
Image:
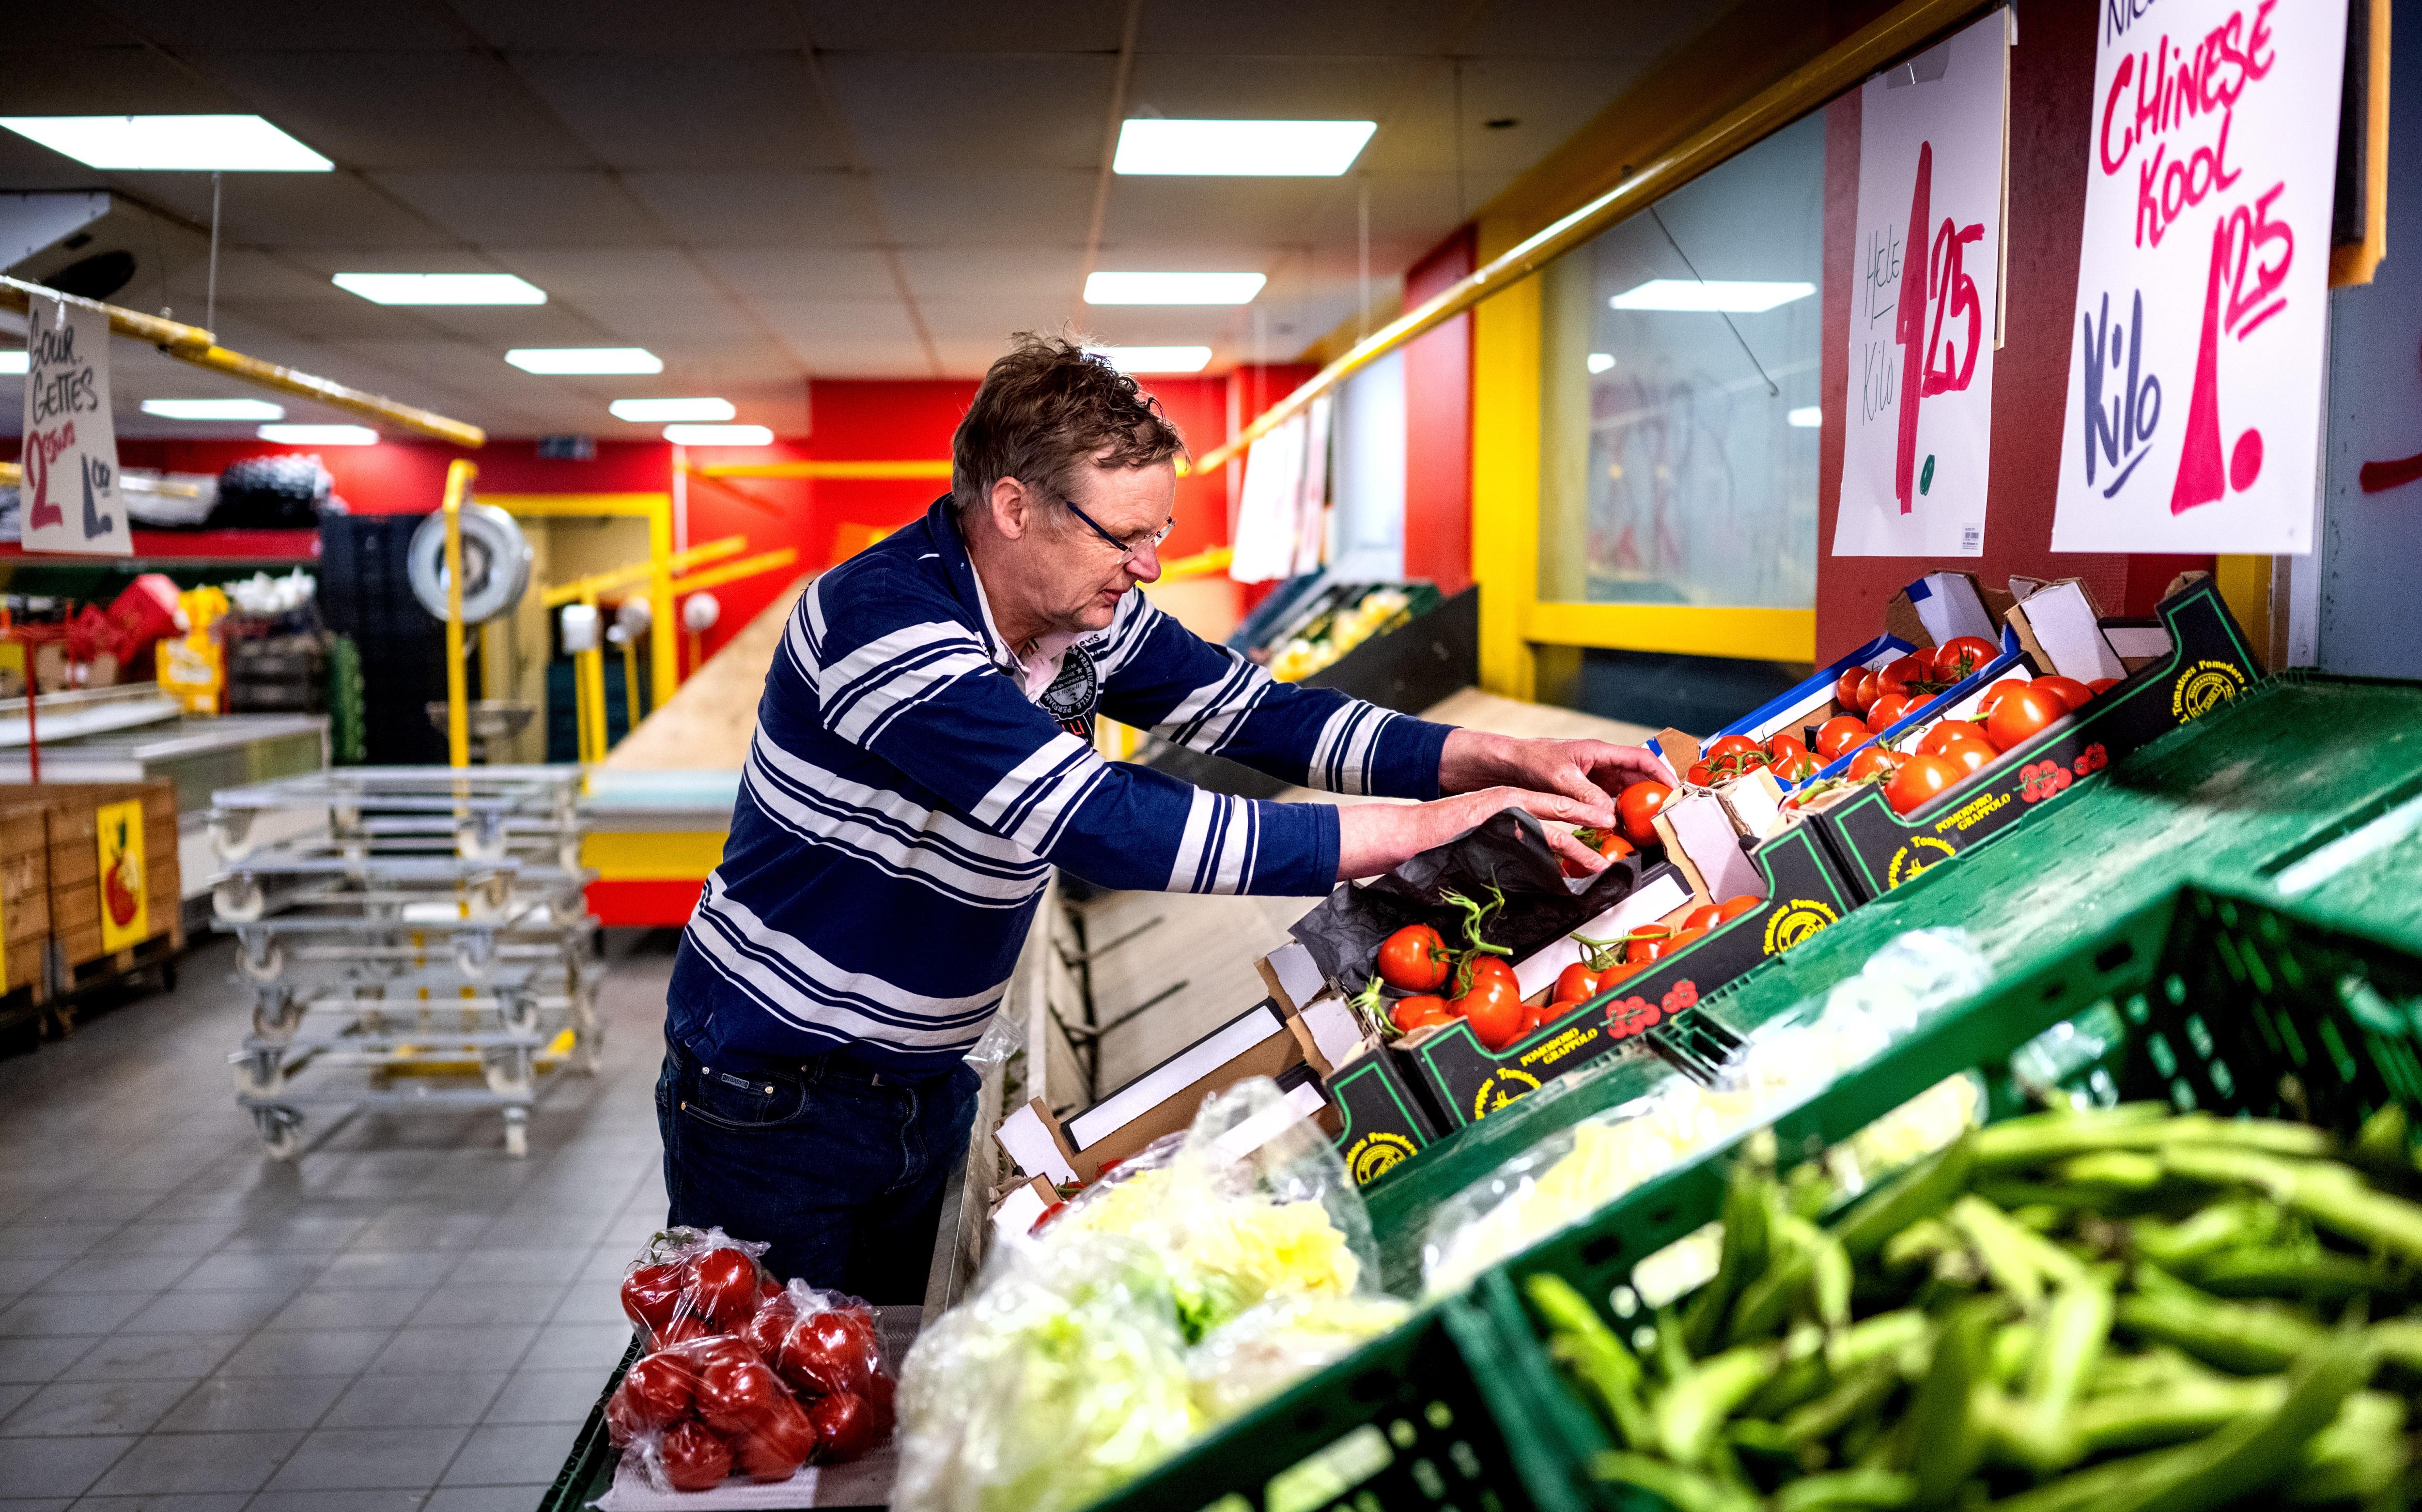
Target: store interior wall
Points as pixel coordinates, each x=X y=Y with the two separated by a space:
x=1437 y=426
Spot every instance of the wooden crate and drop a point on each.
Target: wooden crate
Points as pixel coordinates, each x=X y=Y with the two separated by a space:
x=25 y=892
x=71 y=815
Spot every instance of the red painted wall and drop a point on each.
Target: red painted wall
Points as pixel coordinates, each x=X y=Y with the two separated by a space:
x=1438 y=427
x=2052 y=108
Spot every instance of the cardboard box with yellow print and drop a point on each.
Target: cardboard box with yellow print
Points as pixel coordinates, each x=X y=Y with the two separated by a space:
x=113 y=862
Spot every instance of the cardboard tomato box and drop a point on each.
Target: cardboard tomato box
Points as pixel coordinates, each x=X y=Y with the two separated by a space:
x=2208 y=663
x=1810 y=703
x=1467 y=1082
x=1383 y=1117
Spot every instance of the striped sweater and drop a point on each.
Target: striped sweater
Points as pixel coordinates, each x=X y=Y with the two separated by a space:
x=905 y=795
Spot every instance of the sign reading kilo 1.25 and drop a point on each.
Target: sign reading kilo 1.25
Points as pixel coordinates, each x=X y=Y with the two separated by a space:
x=2196 y=369
x=69 y=493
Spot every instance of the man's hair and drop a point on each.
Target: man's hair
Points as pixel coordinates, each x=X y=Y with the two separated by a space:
x=1047 y=408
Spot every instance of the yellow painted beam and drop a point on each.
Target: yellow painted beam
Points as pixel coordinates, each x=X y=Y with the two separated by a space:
x=1506 y=484
x=854 y=470
x=732 y=572
x=621 y=578
x=652 y=856
x=457 y=697
x=1689 y=629
x=578 y=505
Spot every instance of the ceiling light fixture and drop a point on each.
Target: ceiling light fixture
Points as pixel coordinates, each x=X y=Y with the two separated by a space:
x=673 y=409
x=1600 y=361
x=15 y=362
x=719 y=435
x=1153 y=359
x=441 y=287
x=177 y=144
x=1172 y=288
x=585 y=359
x=1733 y=296
x=214 y=409
x=1261 y=148
x=1806 y=417
x=319 y=435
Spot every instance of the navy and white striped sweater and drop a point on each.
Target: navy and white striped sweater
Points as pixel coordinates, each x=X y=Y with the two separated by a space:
x=904 y=797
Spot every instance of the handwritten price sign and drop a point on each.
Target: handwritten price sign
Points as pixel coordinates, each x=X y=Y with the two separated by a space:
x=1918 y=437
x=69 y=495
x=2196 y=369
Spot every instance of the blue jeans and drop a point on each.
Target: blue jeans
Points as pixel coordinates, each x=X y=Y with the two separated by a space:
x=840 y=1168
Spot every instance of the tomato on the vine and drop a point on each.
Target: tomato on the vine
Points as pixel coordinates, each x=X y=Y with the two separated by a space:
x=2019 y=714
x=1920 y=778
x=1799 y=768
x=1902 y=674
x=1577 y=982
x=1874 y=761
x=1728 y=745
x=1785 y=747
x=1493 y=1007
x=695 y=1459
x=1853 y=690
x=1410 y=1013
x=1888 y=711
x=1638 y=804
x=1839 y=733
x=1415 y=959
x=1732 y=908
x=1485 y=967
x=1703 y=917
x=2102 y=685
x=1970 y=753
x=1963 y=656
x=1992 y=695
x=2071 y=692
x=1945 y=733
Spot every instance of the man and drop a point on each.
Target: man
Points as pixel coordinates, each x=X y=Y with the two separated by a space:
x=923 y=756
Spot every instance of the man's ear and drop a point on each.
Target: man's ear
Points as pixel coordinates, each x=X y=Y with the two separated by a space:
x=1009 y=502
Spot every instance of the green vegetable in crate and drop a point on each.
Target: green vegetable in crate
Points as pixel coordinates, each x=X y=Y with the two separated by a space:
x=2074 y=1354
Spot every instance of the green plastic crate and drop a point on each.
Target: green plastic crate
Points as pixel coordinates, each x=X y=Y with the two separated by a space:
x=2215 y=1003
x=589 y=1466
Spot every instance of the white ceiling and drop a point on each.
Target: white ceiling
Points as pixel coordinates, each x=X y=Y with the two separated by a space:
x=764 y=192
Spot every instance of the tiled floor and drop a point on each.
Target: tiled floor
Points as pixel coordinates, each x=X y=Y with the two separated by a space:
x=402 y=1320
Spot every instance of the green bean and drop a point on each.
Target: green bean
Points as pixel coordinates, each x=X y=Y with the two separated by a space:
x=1691 y=1413
x=2095 y=1486
x=2223 y=1225
x=2019 y=1261
x=1761 y=1437
x=2332 y=1196
x=1689 y=1490
x=1803 y=1380
x=2251 y=1454
x=1746 y=1254
x=2359 y=1457
x=1918 y=1243
x=1921 y=1193
x=1587 y=1348
x=1867 y=1388
x=2077 y=1326
x=1828 y=1285
x=2310 y=1274
x=2249 y=1338
x=1943 y=1438
x=1767 y=1300
x=2156 y=1368
x=2014 y=1346
x=1893 y=1335
x=2040 y=1137
x=1846 y=1488
x=2400 y=1343
x=2181 y=1409
x=2112 y=1170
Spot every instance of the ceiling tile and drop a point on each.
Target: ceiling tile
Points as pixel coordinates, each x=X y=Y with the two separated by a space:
x=987 y=209
x=993 y=321
x=1339 y=28
x=301 y=24
x=1571 y=29
x=107 y=80
x=1036 y=26
x=642 y=26
x=935 y=111
x=803 y=323
x=748 y=110
x=401 y=110
x=59 y=23
x=576 y=208
x=757 y=207
x=1048 y=273
x=863 y=358
x=785 y=273
x=297 y=211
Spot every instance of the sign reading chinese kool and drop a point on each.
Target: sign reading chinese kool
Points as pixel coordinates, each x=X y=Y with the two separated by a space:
x=1925 y=300
x=69 y=493
x=2194 y=378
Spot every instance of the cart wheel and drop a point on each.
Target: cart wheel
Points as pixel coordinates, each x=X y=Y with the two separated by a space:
x=232 y=834
x=507 y=1070
x=281 y=1132
x=521 y=1013
x=482 y=837
x=262 y=958
x=517 y=1132
x=238 y=900
x=588 y=1049
x=257 y=1072
x=275 y=1014
x=168 y=974
x=473 y=951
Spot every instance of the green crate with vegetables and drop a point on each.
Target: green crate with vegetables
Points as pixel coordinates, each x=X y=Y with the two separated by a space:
x=2130 y=1297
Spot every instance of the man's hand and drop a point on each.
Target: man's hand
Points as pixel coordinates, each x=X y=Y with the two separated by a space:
x=1376 y=836
x=1590 y=771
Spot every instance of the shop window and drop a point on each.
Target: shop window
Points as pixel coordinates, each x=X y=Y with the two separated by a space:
x=1678 y=397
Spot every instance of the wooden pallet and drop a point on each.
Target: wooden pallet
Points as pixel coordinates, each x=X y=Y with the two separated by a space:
x=72 y=984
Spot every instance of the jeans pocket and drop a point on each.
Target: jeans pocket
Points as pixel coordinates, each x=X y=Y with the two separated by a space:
x=725 y=1101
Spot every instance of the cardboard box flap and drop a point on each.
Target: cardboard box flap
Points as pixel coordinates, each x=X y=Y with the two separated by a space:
x=1680 y=749
x=2059 y=625
x=1753 y=801
x=1180 y=1071
x=1701 y=839
x=1032 y=1138
x=1328 y=1031
x=1292 y=976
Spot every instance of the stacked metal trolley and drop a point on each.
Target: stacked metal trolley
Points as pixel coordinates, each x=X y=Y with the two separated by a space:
x=416 y=936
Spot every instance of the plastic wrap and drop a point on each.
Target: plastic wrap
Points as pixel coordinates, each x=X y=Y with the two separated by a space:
x=1572 y=1174
x=690 y=1284
x=1086 y=1353
x=699 y=1412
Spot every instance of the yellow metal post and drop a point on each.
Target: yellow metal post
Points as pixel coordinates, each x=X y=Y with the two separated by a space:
x=662 y=665
x=590 y=666
x=458 y=712
x=631 y=682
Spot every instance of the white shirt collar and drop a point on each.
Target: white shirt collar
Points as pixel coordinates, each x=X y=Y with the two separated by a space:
x=1034 y=673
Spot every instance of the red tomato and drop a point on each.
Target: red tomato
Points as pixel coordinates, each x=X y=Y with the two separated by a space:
x=1799 y=768
x=1898 y=676
x=766 y=1328
x=2019 y=714
x=724 y=1285
x=1874 y=759
x=1534 y=1017
x=1839 y=733
x=826 y=1354
x=1963 y=656
x=1485 y=967
x=1607 y=842
x=1703 y=917
x=846 y=1427
x=1993 y=695
x=1732 y=908
x=1414 y=959
x=695 y=1459
x=1920 y=778
x=1945 y=732
x=1410 y=1013
x=1783 y=748
x=1575 y=982
x=622 y=1422
x=658 y=1390
x=1888 y=711
x=2102 y=685
x=1690 y=935
x=688 y=1325
x=776 y=1448
x=2072 y=693
x=1637 y=805
x=1493 y=1007
x=1727 y=746
x=1698 y=775
x=1970 y=754
x=651 y=1296
x=1853 y=690
x=733 y=1396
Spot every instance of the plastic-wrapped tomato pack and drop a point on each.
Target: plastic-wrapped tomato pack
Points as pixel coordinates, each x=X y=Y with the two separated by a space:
x=795 y=1379
x=690 y=1284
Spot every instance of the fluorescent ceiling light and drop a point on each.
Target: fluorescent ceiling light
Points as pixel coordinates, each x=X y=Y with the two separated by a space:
x=1806 y=417
x=1153 y=359
x=13 y=362
x=673 y=409
x=320 y=436
x=585 y=359
x=1600 y=361
x=1288 y=148
x=1172 y=288
x=231 y=144
x=214 y=409
x=1734 y=296
x=719 y=435
x=441 y=287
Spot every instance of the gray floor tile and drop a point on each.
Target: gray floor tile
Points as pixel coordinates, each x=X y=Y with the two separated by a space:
x=517 y=1268
x=589 y=1301
x=18 y=1276
x=579 y=1346
x=51 y=1241
x=299 y=1235
x=163 y=1502
x=56 y=1467
x=448 y=1231
x=424 y=1351
x=84 y=1204
x=515 y=1455
x=40 y=1360
x=396 y=1499
x=107 y=1272
x=241 y=1270
x=357 y=1270
x=153 y=1357
x=192 y=1239
x=196 y=1462
x=66 y=1407
x=343 y=1458
x=476 y=1499
x=457 y=1303
x=547 y=1396
x=385 y=1401
x=372 y=1308
x=43 y=1315
x=315 y=1352
x=13 y=1393
x=206 y=1312
x=236 y=1404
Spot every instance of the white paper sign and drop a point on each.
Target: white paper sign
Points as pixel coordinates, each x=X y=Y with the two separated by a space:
x=68 y=498
x=2196 y=374
x=1925 y=301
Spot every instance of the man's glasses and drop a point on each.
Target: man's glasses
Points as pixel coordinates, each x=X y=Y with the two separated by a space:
x=1127 y=550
